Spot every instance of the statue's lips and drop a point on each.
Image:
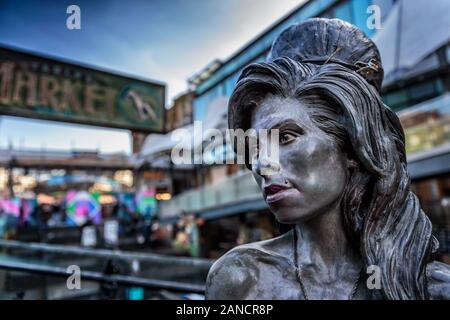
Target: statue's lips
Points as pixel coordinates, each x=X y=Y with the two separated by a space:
x=275 y=193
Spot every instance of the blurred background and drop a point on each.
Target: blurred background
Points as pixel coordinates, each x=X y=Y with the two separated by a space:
x=90 y=93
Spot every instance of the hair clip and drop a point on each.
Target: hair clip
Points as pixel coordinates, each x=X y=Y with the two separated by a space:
x=333 y=54
x=368 y=70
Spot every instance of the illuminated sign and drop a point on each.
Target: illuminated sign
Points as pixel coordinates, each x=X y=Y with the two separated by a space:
x=36 y=87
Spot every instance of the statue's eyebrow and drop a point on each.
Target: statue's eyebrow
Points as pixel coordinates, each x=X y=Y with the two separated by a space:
x=271 y=123
x=285 y=122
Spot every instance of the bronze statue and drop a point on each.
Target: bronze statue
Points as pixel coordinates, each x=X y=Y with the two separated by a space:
x=341 y=180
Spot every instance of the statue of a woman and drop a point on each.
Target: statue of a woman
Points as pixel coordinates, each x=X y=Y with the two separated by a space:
x=341 y=180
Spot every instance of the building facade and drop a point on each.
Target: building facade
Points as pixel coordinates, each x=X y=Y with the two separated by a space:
x=414 y=46
x=180 y=114
x=221 y=81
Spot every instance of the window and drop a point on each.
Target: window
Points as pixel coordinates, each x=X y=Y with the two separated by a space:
x=414 y=94
x=424 y=91
x=397 y=100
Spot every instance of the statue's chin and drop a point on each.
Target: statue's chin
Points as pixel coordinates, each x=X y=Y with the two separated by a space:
x=295 y=215
x=287 y=217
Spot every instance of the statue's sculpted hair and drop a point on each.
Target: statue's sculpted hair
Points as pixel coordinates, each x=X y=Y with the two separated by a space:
x=381 y=214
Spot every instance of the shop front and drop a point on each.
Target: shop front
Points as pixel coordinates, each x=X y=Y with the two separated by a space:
x=427 y=134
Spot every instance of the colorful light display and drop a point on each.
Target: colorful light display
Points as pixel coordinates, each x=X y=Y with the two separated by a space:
x=82 y=207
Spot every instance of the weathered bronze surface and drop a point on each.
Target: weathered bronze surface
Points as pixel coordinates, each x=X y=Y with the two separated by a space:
x=341 y=180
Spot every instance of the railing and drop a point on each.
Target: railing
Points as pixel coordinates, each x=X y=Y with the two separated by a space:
x=105 y=253
x=111 y=269
x=100 y=277
x=232 y=190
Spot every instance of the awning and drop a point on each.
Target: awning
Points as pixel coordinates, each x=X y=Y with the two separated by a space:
x=412 y=31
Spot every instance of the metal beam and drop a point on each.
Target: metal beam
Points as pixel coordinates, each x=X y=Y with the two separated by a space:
x=104 y=253
x=100 y=277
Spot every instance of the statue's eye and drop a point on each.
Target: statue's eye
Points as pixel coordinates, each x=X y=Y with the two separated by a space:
x=287 y=136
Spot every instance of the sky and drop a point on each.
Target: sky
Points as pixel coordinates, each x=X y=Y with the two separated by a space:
x=164 y=40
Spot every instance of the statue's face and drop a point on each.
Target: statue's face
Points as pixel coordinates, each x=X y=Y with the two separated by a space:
x=312 y=171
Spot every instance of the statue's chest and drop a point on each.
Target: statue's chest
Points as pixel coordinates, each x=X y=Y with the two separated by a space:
x=275 y=282
x=279 y=282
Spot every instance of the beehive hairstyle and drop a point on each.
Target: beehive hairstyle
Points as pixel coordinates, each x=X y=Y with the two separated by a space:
x=382 y=216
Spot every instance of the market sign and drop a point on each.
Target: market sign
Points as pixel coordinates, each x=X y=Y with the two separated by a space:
x=42 y=88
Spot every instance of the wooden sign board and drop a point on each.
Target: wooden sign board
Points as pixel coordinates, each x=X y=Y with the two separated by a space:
x=39 y=87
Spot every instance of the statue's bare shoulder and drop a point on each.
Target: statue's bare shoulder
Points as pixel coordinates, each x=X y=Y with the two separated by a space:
x=438 y=278
x=234 y=274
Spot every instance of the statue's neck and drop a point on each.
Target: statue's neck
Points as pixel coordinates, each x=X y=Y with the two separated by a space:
x=323 y=244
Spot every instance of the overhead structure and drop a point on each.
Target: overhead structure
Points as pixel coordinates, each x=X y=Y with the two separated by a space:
x=40 y=87
x=400 y=49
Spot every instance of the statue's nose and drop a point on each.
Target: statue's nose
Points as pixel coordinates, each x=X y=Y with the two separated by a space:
x=266 y=167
